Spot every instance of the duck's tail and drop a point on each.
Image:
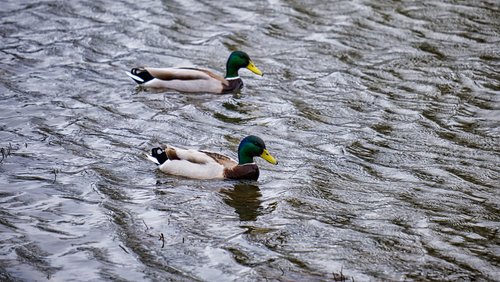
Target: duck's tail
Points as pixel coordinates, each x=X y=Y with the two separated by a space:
x=158 y=156
x=140 y=75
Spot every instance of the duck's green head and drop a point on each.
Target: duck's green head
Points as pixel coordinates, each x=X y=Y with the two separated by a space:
x=238 y=60
x=252 y=146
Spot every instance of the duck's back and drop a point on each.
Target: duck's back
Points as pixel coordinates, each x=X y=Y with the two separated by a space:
x=196 y=164
x=185 y=80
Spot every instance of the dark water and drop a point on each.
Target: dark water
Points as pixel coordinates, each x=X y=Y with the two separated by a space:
x=384 y=116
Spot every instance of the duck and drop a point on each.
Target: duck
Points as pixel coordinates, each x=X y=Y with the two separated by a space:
x=199 y=164
x=188 y=79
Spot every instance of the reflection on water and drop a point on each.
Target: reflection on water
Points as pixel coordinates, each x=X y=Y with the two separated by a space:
x=384 y=115
x=245 y=199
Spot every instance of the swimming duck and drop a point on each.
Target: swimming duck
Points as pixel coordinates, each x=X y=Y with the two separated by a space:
x=194 y=79
x=210 y=165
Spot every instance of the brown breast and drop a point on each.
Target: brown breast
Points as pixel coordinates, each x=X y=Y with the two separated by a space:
x=247 y=171
x=232 y=85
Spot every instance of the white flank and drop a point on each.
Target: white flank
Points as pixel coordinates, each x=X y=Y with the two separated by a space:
x=195 y=85
x=193 y=170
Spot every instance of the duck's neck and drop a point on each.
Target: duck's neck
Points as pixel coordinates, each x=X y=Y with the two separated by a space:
x=244 y=158
x=231 y=71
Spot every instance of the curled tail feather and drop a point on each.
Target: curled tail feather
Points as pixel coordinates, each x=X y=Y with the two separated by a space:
x=158 y=156
x=140 y=75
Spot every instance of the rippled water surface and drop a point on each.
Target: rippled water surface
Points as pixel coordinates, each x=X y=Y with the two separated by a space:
x=384 y=116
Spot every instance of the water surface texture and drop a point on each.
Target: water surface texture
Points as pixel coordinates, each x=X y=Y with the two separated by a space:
x=384 y=116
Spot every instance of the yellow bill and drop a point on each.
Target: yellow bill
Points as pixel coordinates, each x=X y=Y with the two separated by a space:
x=251 y=66
x=266 y=156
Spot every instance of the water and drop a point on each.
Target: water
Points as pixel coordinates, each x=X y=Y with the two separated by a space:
x=383 y=114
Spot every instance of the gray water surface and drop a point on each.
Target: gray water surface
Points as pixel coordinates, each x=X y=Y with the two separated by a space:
x=384 y=116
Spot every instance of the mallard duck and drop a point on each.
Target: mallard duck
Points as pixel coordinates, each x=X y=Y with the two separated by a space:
x=210 y=165
x=194 y=79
